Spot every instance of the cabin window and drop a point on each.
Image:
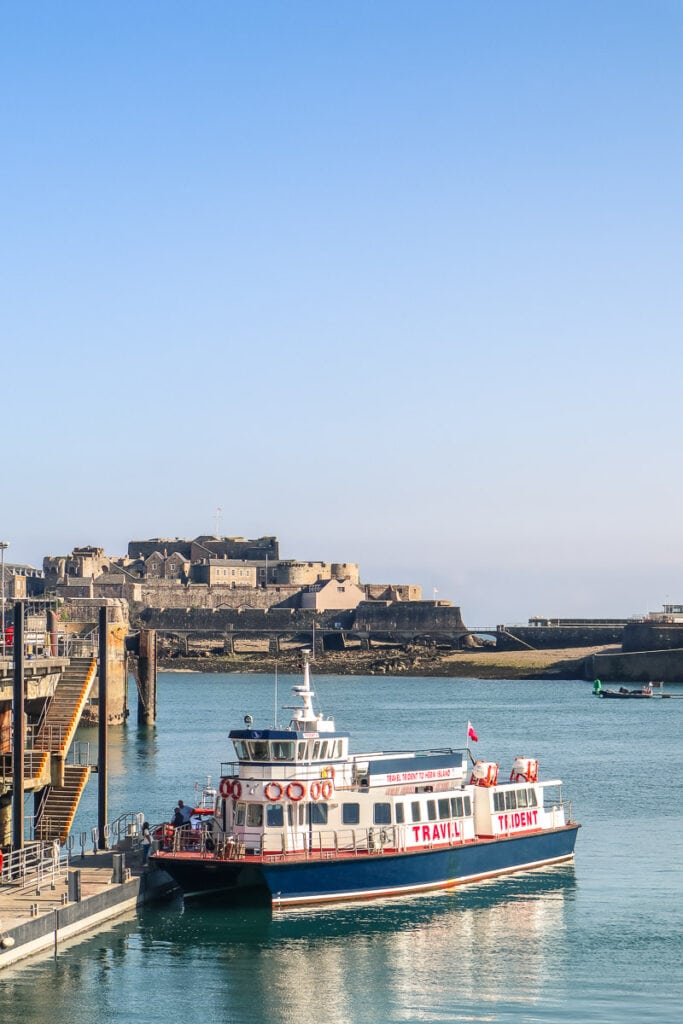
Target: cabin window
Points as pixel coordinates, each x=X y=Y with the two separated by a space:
x=283 y=751
x=239 y=814
x=259 y=750
x=467 y=804
x=242 y=750
x=456 y=806
x=382 y=814
x=521 y=798
x=316 y=750
x=431 y=810
x=323 y=751
x=510 y=800
x=254 y=815
x=400 y=813
x=415 y=810
x=301 y=750
x=499 y=801
x=444 y=808
x=318 y=814
x=275 y=815
x=350 y=814
x=532 y=798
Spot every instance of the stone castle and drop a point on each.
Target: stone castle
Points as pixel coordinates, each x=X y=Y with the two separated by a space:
x=214 y=572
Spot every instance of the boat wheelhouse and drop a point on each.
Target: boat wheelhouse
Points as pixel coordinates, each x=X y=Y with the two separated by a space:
x=299 y=818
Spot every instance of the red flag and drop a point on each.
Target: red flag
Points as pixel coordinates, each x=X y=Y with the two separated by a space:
x=471 y=734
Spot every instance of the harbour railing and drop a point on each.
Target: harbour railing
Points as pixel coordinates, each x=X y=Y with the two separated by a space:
x=36 y=864
x=126 y=828
x=42 y=863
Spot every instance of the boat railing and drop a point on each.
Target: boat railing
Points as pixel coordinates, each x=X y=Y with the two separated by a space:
x=316 y=844
x=285 y=771
x=559 y=812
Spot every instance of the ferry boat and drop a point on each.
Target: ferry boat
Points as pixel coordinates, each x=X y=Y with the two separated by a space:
x=299 y=819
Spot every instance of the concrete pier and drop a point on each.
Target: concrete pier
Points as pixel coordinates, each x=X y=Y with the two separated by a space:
x=39 y=917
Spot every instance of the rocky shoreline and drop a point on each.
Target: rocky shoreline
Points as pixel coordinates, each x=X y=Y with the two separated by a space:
x=570 y=663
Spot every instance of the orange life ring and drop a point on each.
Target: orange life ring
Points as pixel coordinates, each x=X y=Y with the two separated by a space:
x=330 y=772
x=268 y=792
x=296 y=791
x=236 y=789
x=315 y=790
x=225 y=788
x=327 y=789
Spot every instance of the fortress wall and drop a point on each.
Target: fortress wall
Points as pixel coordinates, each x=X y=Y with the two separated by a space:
x=345 y=571
x=300 y=574
x=640 y=667
x=173 y=594
x=652 y=636
x=223 y=620
x=418 y=616
x=557 y=637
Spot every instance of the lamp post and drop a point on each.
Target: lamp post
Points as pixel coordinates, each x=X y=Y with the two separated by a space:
x=3 y=547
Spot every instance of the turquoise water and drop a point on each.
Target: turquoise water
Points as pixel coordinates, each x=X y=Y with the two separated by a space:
x=598 y=941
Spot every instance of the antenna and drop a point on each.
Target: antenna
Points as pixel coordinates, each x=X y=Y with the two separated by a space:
x=275 y=698
x=217 y=517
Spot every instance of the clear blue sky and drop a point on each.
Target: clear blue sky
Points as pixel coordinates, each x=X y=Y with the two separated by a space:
x=398 y=282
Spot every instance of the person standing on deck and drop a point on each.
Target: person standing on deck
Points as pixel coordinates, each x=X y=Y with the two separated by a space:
x=146 y=842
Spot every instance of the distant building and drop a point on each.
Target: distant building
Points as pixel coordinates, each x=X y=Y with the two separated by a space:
x=330 y=595
x=117 y=584
x=301 y=574
x=80 y=564
x=75 y=586
x=393 y=592
x=154 y=566
x=669 y=613
x=208 y=547
x=228 y=572
x=23 y=581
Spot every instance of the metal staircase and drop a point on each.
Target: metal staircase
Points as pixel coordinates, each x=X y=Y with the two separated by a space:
x=59 y=803
x=64 y=711
x=59 y=807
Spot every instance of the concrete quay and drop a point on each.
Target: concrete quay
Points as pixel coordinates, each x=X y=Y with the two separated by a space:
x=42 y=914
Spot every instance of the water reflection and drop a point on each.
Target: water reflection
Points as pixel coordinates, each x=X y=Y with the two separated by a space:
x=413 y=954
x=397 y=960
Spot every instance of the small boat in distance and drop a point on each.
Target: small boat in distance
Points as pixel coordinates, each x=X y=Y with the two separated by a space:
x=299 y=819
x=623 y=692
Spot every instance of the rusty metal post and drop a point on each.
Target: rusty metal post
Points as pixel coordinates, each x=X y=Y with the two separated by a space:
x=147 y=677
x=19 y=738
x=102 y=724
x=52 y=626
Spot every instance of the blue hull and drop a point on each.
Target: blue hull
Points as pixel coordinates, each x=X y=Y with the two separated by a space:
x=319 y=881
